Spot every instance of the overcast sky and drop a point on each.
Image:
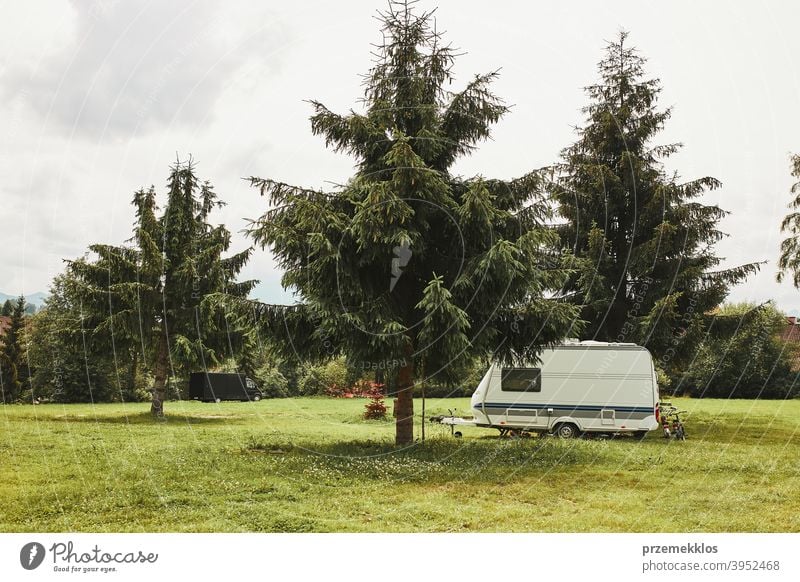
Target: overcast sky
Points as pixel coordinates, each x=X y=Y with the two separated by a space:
x=98 y=98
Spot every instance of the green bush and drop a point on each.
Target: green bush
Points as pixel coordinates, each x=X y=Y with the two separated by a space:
x=663 y=379
x=317 y=379
x=134 y=388
x=293 y=373
x=272 y=383
x=742 y=357
x=313 y=382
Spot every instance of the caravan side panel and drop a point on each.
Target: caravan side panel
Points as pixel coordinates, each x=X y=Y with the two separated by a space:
x=600 y=388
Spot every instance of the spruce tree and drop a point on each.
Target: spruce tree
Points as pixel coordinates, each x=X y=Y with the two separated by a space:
x=789 y=261
x=13 y=365
x=163 y=292
x=641 y=238
x=408 y=267
x=8 y=308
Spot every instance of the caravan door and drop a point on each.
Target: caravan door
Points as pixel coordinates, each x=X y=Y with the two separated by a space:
x=518 y=385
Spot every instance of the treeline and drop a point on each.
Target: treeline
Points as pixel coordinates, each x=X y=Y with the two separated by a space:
x=415 y=277
x=748 y=352
x=8 y=308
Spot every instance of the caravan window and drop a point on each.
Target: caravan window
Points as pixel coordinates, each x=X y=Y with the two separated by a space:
x=521 y=380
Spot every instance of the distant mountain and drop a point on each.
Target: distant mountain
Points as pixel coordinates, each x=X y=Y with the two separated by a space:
x=36 y=298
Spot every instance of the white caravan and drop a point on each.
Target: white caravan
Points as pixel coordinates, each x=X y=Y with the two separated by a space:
x=577 y=387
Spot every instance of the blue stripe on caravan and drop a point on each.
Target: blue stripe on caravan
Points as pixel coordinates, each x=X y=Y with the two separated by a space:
x=523 y=406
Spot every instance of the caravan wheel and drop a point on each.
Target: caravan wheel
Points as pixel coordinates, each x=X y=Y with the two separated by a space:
x=567 y=430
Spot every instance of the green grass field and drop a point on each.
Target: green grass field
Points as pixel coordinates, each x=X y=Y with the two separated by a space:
x=312 y=464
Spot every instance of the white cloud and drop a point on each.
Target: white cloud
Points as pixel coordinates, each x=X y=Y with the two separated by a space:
x=97 y=98
x=136 y=66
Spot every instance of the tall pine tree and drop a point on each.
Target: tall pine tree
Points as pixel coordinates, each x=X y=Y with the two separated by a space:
x=163 y=292
x=406 y=265
x=642 y=239
x=13 y=365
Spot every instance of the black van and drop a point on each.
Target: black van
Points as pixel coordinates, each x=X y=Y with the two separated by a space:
x=216 y=387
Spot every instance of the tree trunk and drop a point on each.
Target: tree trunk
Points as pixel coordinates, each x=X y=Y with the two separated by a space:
x=422 y=436
x=422 y=393
x=160 y=372
x=404 y=403
x=615 y=322
x=132 y=373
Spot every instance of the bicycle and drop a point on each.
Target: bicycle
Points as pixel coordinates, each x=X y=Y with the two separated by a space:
x=671 y=423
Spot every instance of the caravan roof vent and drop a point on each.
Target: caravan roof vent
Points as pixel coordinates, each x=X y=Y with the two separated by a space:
x=606 y=344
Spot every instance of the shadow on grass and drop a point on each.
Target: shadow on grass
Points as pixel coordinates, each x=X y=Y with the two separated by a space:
x=489 y=455
x=145 y=418
x=742 y=430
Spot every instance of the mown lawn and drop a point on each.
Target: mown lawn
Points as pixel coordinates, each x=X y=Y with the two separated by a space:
x=312 y=464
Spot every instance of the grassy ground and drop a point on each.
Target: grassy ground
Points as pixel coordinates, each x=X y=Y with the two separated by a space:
x=313 y=465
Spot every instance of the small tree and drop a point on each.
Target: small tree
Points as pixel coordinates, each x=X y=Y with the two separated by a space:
x=407 y=265
x=164 y=292
x=13 y=365
x=375 y=409
x=8 y=308
x=642 y=239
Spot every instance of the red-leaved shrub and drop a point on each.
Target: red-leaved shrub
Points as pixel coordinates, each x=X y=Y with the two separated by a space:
x=375 y=409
